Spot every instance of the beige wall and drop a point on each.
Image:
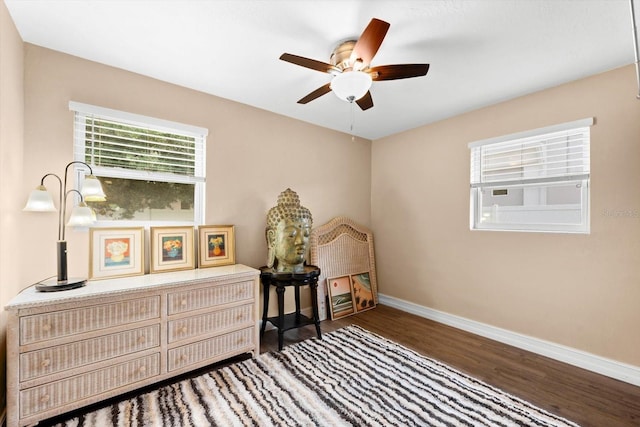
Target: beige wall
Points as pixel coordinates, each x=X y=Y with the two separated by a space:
x=11 y=143
x=252 y=155
x=581 y=291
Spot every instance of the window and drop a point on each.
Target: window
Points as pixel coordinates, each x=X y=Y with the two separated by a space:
x=532 y=181
x=151 y=170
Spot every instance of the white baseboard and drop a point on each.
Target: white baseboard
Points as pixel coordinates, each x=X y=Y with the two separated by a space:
x=601 y=365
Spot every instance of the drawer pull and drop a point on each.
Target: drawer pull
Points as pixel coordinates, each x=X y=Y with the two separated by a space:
x=182 y=358
x=183 y=330
x=142 y=370
x=240 y=316
x=142 y=339
x=45 y=363
x=143 y=309
x=44 y=398
x=46 y=327
x=183 y=303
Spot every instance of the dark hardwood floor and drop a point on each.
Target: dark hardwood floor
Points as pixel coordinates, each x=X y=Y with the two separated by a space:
x=582 y=396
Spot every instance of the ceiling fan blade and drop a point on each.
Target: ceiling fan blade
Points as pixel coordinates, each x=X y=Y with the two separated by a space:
x=369 y=42
x=395 y=72
x=365 y=102
x=309 y=63
x=316 y=94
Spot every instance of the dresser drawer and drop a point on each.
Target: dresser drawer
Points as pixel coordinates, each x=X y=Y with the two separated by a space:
x=241 y=316
x=195 y=299
x=63 y=392
x=211 y=348
x=48 y=326
x=59 y=358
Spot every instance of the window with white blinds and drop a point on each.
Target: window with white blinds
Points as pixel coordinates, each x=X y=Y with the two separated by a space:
x=533 y=181
x=155 y=169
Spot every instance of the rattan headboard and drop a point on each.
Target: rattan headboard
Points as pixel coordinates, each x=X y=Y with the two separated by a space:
x=342 y=247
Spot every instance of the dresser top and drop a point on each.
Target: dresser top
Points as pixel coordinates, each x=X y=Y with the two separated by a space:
x=30 y=297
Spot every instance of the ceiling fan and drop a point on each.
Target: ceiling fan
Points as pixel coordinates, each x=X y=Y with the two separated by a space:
x=351 y=70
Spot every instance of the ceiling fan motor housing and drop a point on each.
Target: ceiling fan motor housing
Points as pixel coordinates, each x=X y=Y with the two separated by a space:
x=341 y=55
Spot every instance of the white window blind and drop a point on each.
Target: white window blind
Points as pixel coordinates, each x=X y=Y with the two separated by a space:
x=143 y=146
x=532 y=181
x=547 y=157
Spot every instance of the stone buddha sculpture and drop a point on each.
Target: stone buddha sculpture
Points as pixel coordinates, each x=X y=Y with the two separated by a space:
x=288 y=229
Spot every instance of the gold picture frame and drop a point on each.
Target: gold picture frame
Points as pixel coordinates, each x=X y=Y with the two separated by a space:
x=340 y=292
x=172 y=249
x=116 y=252
x=216 y=245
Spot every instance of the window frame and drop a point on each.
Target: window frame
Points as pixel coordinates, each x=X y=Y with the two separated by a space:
x=578 y=176
x=82 y=111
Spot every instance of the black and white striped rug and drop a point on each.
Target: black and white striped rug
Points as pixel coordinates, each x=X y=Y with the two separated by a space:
x=350 y=377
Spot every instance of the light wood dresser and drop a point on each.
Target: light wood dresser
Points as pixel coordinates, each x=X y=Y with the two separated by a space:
x=69 y=349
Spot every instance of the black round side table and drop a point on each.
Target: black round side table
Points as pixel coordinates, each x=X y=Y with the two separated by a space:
x=281 y=280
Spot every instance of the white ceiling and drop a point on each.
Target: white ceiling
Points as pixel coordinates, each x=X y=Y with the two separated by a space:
x=481 y=51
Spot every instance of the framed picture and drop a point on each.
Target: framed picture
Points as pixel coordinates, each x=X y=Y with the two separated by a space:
x=172 y=249
x=216 y=244
x=116 y=252
x=363 y=298
x=340 y=296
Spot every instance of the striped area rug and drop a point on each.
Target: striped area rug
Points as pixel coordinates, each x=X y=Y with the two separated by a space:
x=351 y=377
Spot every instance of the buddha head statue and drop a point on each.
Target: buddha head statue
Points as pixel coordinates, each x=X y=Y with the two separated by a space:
x=288 y=229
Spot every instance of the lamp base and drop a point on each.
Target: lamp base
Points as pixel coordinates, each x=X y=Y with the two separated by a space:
x=52 y=285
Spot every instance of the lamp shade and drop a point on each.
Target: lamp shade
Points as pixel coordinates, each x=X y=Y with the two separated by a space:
x=40 y=201
x=351 y=85
x=81 y=216
x=92 y=189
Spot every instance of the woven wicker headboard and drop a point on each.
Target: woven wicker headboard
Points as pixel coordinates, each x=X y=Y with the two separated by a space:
x=342 y=247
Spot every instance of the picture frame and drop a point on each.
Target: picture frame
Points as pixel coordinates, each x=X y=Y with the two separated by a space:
x=363 y=293
x=172 y=248
x=216 y=245
x=340 y=293
x=116 y=252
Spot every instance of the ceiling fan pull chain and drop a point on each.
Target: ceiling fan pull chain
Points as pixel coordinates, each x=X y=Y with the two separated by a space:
x=352 y=118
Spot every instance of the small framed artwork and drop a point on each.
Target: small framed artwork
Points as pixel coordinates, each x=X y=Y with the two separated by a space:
x=216 y=244
x=363 y=298
x=116 y=252
x=340 y=297
x=172 y=249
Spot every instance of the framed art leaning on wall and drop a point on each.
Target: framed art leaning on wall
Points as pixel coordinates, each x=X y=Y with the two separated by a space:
x=172 y=248
x=363 y=298
x=216 y=244
x=116 y=252
x=340 y=297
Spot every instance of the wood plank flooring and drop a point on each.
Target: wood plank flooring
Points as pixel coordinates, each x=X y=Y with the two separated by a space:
x=582 y=396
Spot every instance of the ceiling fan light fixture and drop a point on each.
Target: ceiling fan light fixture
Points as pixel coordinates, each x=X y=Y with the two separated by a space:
x=351 y=85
